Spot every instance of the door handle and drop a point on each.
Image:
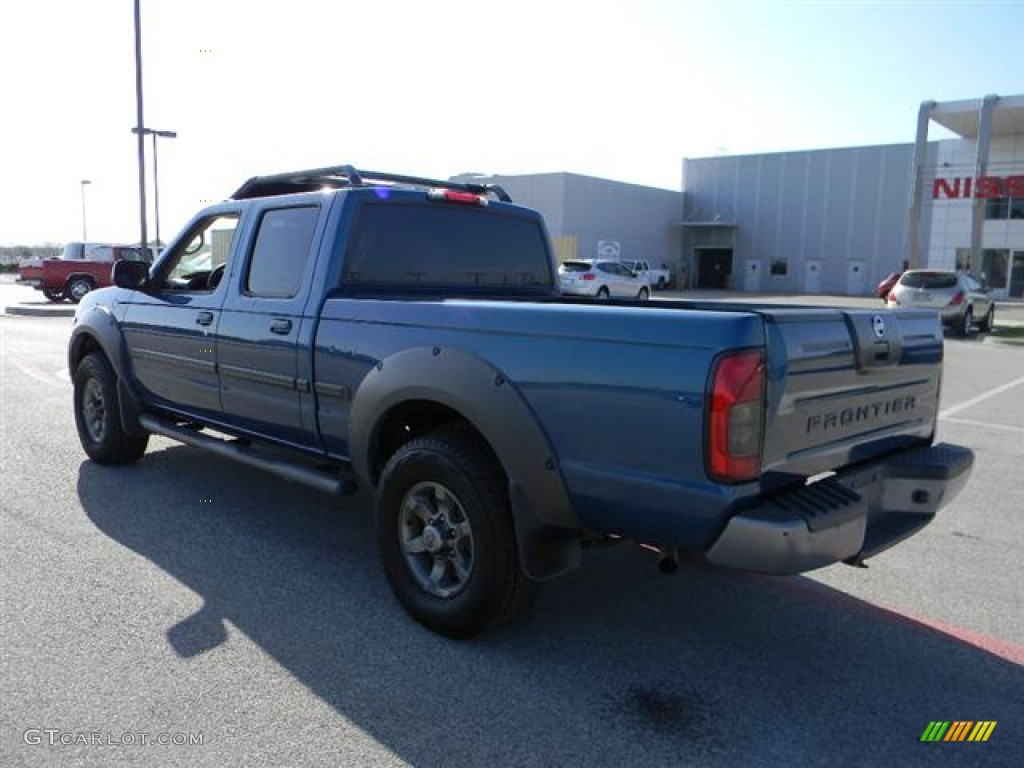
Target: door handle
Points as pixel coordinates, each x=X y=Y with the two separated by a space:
x=204 y=318
x=281 y=326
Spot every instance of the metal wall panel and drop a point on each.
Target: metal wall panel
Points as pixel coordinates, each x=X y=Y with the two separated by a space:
x=836 y=205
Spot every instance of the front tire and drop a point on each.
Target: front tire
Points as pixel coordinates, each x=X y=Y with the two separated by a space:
x=445 y=534
x=989 y=321
x=98 y=414
x=644 y=294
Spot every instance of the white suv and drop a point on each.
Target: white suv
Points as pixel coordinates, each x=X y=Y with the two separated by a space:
x=602 y=278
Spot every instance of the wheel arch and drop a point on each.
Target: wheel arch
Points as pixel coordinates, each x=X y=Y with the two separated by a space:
x=97 y=331
x=419 y=390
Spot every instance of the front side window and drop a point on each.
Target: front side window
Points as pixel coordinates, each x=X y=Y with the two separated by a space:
x=198 y=262
x=281 y=252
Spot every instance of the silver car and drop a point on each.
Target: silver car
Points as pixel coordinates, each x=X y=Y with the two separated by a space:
x=960 y=299
x=603 y=279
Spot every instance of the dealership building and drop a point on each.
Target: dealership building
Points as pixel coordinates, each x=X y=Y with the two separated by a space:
x=823 y=221
x=838 y=220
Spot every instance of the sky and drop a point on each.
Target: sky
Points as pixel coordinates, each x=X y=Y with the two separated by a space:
x=622 y=90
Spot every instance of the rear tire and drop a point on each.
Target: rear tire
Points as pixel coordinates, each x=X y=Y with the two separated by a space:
x=603 y=293
x=77 y=288
x=446 y=538
x=661 y=284
x=98 y=414
x=967 y=323
x=53 y=294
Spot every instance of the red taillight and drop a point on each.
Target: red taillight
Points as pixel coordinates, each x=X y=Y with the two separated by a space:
x=957 y=299
x=736 y=417
x=452 y=196
x=590 y=276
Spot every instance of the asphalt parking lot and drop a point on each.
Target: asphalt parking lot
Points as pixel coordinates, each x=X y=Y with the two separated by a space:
x=188 y=596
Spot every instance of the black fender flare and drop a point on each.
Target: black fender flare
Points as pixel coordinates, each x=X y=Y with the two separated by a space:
x=96 y=326
x=547 y=529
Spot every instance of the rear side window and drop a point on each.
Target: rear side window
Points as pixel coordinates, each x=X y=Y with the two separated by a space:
x=930 y=280
x=433 y=246
x=281 y=252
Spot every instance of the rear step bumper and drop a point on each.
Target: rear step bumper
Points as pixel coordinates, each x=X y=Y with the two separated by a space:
x=847 y=517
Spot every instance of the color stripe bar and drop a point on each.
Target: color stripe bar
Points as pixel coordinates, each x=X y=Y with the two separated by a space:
x=935 y=730
x=988 y=731
x=959 y=730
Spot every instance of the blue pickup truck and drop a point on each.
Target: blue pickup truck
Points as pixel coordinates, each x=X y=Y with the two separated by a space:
x=346 y=329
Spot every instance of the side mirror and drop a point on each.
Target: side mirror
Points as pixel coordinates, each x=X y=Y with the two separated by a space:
x=130 y=274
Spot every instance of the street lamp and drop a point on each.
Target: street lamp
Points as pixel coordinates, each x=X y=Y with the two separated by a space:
x=156 y=178
x=83 y=182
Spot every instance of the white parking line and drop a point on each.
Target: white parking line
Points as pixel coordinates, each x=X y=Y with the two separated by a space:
x=986 y=425
x=29 y=371
x=975 y=400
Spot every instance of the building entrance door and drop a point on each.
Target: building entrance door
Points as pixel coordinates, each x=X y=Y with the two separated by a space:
x=812 y=276
x=715 y=268
x=1017 y=276
x=855 y=285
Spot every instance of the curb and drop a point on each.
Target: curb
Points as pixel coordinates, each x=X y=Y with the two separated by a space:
x=1004 y=342
x=40 y=311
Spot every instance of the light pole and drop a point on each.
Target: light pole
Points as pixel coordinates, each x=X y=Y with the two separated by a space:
x=156 y=176
x=139 y=122
x=83 y=182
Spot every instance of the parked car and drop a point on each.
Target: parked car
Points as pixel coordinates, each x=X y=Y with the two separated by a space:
x=959 y=298
x=882 y=291
x=80 y=268
x=416 y=344
x=603 y=279
x=659 y=278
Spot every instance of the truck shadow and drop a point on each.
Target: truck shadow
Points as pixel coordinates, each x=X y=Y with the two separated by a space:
x=615 y=665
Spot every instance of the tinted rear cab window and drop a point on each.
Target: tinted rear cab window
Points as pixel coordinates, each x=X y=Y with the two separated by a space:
x=442 y=245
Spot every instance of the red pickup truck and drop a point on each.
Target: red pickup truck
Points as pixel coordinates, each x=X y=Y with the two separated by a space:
x=80 y=268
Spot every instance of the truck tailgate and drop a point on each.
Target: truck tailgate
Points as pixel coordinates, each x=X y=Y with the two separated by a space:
x=847 y=385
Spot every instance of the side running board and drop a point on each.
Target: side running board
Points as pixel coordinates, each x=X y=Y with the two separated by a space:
x=326 y=480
